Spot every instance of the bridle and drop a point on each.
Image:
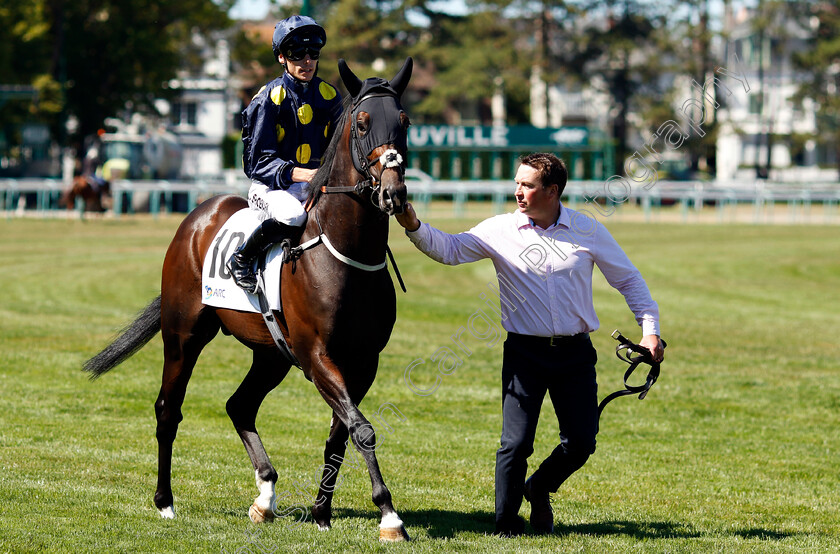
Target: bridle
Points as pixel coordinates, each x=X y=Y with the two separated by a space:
x=390 y=159
x=625 y=352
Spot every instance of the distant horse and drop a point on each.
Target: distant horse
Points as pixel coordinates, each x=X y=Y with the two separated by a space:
x=336 y=318
x=92 y=192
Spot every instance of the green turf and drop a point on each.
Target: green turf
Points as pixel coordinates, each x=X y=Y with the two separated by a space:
x=734 y=450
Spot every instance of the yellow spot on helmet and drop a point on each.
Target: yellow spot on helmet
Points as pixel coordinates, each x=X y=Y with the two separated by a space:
x=278 y=94
x=305 y=113
x=304 y=152
x=327 y=91
x=281 y=133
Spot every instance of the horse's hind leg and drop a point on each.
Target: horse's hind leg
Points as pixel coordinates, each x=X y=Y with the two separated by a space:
x=183 y=340
x=330 y=383
x=334 y=451
x=268 y=369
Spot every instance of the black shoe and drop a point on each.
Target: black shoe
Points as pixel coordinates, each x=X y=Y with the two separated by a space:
x=542 y=518
x=242 y=271
x=511 y=528
x=241 y=263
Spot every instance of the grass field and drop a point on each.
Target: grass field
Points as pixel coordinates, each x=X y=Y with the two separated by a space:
x=736 y=448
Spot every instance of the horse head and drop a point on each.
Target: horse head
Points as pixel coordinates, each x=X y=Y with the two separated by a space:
x=378 y=134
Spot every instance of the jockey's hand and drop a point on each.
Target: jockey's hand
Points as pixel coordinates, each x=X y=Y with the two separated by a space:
x=408 y=219
x=654 y=344
x=302 y=174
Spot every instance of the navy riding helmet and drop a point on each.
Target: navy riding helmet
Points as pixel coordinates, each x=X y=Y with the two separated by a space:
x=300 y=31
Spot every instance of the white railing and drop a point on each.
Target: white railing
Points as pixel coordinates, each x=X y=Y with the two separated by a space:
x=41 y=195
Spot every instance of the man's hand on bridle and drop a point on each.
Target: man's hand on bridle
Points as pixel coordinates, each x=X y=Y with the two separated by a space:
x=408 y=219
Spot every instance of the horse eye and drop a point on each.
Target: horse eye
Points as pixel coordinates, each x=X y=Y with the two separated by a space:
x=362 y=123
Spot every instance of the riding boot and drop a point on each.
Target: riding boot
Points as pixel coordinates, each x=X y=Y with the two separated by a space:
x=241 y=263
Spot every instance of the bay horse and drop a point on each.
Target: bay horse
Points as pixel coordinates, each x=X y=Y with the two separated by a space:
x=92 y=193
x=336 y=318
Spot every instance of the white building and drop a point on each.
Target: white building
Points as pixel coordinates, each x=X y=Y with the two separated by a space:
x=747 y=115
x=766 y=113
x=203 y=112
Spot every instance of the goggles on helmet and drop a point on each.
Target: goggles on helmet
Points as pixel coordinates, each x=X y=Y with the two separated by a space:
x=298 y=48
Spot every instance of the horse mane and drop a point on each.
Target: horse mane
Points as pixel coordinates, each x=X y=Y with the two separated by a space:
x=322 y=177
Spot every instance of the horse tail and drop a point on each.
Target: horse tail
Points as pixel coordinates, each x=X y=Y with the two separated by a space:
x=131 y=339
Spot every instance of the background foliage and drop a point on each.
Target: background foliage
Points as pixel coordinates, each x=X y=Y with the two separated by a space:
x=92 y=58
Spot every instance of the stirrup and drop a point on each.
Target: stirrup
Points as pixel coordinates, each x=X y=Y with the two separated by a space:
x=289 y=253
x=248 y=283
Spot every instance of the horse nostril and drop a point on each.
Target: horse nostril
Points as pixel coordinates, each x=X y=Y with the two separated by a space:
x=387 y=202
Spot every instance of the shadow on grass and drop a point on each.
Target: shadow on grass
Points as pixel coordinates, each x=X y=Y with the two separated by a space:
x=439 y=523
x=635 y=529
x=448 y=523
x=763 y=534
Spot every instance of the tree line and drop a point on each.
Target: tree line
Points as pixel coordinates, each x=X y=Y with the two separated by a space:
x=92 y=59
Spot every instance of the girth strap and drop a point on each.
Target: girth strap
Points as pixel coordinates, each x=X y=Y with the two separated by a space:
x=271 y=323
x=298 y=250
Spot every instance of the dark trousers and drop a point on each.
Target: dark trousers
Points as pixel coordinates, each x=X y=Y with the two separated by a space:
x=531 y=367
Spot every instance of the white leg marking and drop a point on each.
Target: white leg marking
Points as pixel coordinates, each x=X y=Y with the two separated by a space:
x=168 y=512
x=390 y=521
x=267 y=500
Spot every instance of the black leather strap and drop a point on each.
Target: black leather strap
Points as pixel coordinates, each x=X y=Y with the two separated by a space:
x=634 y=355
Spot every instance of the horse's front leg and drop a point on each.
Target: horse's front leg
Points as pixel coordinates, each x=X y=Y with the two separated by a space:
x=331 y=384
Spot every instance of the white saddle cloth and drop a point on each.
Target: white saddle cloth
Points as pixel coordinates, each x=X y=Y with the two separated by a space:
x=217 y=285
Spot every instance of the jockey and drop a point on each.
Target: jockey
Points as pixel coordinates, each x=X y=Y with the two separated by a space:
x=285 y=130
x=91 y=164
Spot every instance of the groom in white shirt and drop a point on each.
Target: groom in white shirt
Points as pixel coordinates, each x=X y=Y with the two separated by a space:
x=547 y=252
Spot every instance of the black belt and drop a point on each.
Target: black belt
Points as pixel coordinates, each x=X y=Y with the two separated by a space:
x=556 y=340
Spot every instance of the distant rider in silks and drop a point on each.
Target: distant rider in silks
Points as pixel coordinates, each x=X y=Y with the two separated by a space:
x=285 y=131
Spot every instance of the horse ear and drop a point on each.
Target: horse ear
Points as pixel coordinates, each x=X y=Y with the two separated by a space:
x=400 y=80
x=353 y=84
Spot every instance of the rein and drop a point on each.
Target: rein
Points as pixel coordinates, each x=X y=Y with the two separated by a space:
x=624 y=352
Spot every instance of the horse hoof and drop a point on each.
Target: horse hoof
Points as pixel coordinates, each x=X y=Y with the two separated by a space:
x=393 y=534
x=260 y=515
x=167 y=513
x=391 y=529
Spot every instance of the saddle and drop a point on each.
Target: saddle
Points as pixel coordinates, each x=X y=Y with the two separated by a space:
x=217 y=285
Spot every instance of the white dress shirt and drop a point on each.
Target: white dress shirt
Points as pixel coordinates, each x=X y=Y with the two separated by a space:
x=545 y=275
